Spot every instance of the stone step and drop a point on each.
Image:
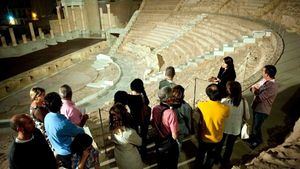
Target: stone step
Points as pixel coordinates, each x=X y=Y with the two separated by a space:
x=248 y=39
x=101 y=84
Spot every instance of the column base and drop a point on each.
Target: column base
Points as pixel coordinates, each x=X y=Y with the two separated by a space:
x=60 y=38
x=22 y=49
x=69 y=36
x=51 y=41
x=75 y=34
x=85 y=33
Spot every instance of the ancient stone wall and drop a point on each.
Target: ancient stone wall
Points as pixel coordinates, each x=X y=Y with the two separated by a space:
x=11 y=85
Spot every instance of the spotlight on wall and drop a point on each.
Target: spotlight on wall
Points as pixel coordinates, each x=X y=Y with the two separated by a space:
x=11 y=20
x=34 y=16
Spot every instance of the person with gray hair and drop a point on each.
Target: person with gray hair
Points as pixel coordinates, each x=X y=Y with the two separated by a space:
x=169 y=76
x=165 y=123
x=68 y=107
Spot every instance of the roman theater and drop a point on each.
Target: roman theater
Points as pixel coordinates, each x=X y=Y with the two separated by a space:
x=99 y=46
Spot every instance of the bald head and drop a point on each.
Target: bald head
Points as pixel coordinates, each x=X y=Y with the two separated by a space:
x=19 y=121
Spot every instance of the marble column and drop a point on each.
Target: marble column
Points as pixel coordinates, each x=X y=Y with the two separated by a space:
x=51 y=34
x=41 y=34
x=3 y=41
x=67 y=18
x=12 y=36
x=74 y=18
x=59 y=20
x=82 y=17
x=108 y=14
x=32 y=32
x=24 y=38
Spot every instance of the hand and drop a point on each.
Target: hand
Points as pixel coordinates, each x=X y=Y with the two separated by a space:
x=86 y=152
x=85 y=155
x=253 y=89
x=212 y=79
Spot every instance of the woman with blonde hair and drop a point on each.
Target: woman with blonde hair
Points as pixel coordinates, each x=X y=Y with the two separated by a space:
x=37 y=95
x=38 y=109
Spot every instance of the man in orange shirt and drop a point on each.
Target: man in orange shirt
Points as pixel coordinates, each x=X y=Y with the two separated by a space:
x=212 y=116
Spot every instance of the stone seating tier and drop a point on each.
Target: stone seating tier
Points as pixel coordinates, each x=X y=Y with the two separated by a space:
x=208 y=37
x=216 y=26
x=210 y=6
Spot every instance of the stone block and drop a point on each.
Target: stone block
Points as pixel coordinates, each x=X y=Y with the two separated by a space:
x=189 y=63
x=237 y=43
x=227 y=48
x=68 y=62
x=249 y=40
x=183 y=66
x=37 y=73
x=199 y=59
x=12 y=85
x=153 y=79
x=51 y=41
x=60 y=39
x=25 y=80
x=101 y=84
x=178 y=69
x=268 y=33
x=3 y=92
x=68 y=36
x=147 y=81
x=208 y=55
x=75 y=34
x=218 y=53
x=258 y=34
x=104 y=58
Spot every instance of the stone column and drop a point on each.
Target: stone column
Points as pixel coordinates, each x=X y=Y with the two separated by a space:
x=32 y=31
x=73 y=16
x=59 y=21
x=108 y=14
x=24 y=38
x=82 y=17
x=41 y=34
x=67 y=18
x=3 y=41
x=12 y=36
x=51 y=34
x=101 y=18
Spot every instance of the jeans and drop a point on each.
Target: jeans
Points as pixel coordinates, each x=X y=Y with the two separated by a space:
x=168 y=158
x=258 y=119
x=229 y=141
x=210 y=149
x=143 y=134
x=65 y=160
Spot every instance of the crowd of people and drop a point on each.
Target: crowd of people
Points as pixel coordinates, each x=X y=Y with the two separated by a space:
x=53 y=127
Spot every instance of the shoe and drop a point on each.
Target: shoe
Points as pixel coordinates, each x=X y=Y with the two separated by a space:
x=253 y=145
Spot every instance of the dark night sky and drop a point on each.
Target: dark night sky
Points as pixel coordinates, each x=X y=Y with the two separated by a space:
x=41 y=7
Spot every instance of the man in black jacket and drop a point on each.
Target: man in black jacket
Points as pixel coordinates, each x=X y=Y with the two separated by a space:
x=30 y=148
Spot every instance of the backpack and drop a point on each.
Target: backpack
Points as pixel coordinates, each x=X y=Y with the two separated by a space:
x=157 y=124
